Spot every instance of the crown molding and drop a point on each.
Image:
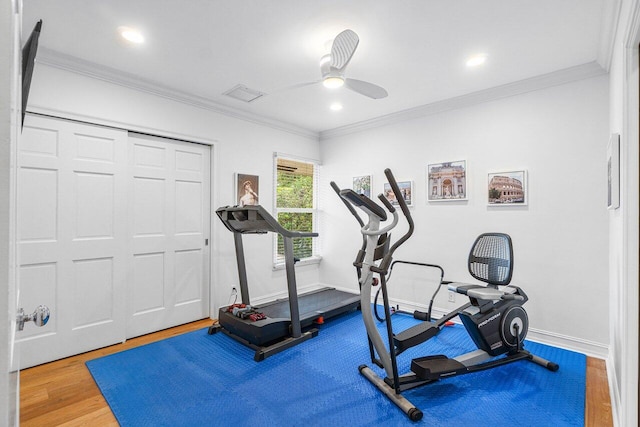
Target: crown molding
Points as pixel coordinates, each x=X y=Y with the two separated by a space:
x=608 y=32
x=631 y=25
x=556 y=78
x=107 y=74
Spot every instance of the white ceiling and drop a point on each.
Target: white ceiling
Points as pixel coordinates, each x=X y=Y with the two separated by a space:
x=416 y=49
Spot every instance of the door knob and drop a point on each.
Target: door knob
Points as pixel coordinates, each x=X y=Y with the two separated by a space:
x=40 y=316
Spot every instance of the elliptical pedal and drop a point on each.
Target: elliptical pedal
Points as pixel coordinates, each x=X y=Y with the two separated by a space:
x=433 y=368
x=415 y=335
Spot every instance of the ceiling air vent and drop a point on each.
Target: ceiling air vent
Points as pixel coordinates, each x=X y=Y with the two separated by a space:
x=243 y=93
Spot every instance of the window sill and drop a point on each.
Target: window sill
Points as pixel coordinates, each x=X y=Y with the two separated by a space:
x=306 y=261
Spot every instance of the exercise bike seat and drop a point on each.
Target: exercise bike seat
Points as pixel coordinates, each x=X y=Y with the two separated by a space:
x=489 y=294
x=462 y=288
x=484 y=293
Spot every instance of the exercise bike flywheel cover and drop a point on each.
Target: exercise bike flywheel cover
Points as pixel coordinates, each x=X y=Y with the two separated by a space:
x=515 y=315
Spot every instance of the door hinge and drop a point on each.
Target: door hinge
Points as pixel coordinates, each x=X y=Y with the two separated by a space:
x=206 y=242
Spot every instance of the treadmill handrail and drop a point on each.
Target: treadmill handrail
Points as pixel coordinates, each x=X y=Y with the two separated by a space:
x=255 y=219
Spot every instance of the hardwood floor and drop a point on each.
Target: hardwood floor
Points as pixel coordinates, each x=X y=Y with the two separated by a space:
x=598 y=402
x=63 y=393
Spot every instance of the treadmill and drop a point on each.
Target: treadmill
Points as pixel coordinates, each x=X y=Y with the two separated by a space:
x=289 y=320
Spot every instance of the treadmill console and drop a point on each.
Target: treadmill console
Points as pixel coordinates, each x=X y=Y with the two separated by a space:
x=255 y=219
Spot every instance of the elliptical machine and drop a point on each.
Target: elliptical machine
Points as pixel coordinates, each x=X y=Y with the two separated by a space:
x=494 y=316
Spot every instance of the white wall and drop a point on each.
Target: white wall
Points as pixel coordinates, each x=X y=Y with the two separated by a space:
x=559 y=135
x=239 y=146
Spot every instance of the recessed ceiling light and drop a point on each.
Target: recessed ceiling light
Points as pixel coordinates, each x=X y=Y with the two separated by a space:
x=476 y=60
x=131 y=35
x=336 y=106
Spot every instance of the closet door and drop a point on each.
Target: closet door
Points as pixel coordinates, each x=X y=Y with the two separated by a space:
x=72 y=240
x=169 y=231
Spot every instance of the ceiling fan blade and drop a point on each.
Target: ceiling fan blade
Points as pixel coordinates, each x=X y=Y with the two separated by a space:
x=291 y=87
x=299 y=85
x=366 y=88
x=343 y=48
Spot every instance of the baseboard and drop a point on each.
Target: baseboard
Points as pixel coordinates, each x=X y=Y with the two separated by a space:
x=589 y=348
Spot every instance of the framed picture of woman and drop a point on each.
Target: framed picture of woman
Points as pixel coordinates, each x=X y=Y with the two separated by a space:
x=247 y=189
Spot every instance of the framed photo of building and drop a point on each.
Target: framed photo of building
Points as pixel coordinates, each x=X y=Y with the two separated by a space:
x=363 y=184
x=447 y=181
x=406 y=188
x=507 y=188
x=613 y=172
x=247 y=189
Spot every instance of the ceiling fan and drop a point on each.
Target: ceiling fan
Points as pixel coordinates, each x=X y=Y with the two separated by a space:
x=333 y=66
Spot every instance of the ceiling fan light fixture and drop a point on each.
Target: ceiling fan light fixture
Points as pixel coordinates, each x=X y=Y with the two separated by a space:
x=333 y=82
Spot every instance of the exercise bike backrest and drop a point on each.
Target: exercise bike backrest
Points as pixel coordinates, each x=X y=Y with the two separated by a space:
x=491 y=259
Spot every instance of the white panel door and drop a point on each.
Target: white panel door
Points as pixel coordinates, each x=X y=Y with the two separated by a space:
x=71 y=232
x=169 y=231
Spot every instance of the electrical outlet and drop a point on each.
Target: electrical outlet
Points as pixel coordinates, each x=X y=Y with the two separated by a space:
x=452 y=297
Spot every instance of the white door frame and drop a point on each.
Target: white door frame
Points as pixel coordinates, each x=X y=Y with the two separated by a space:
x=10 y=29
x=630 y=311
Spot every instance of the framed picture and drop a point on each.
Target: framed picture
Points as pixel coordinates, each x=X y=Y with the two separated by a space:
x=406 y=188
x=362 y=184
x=613 y=172
x=447 y=181
x=507 y=188
x=247 y=189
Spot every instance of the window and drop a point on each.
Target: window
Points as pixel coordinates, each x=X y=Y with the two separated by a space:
x=296 y=184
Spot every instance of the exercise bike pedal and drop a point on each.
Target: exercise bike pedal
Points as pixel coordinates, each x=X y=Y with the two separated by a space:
x=433 y=368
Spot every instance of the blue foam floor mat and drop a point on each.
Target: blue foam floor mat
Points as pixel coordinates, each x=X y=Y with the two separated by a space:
x=198 y=379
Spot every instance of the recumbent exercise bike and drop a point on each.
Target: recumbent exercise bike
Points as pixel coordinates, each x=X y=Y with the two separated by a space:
x=493 y=317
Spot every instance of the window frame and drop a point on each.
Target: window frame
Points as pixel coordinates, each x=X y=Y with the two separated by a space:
x=316 y=257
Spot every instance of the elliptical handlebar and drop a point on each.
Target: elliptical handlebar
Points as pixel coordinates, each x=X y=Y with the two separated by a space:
x=386 y=203
x=351 y=200
x=386 y=261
